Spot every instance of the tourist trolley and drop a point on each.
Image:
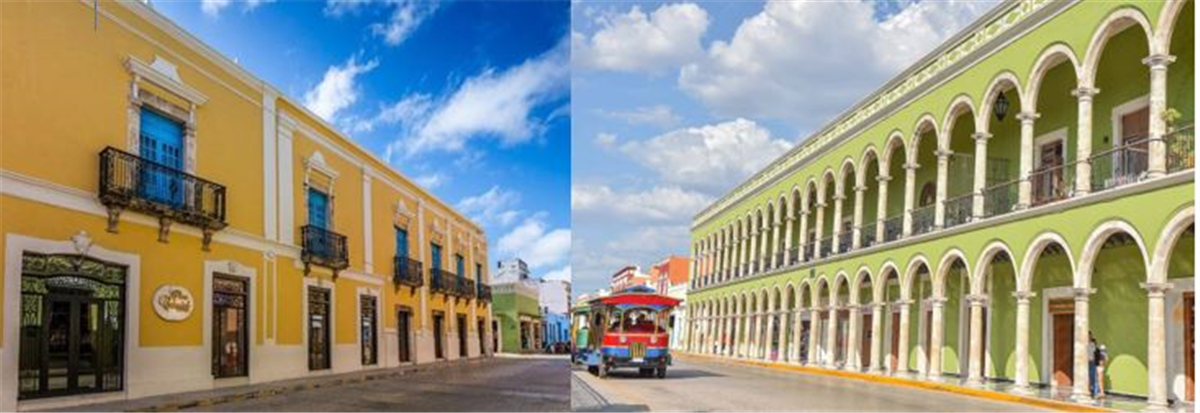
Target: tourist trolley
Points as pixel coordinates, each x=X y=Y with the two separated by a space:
x=629 y=329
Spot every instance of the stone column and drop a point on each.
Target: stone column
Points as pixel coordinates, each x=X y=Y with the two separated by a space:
x=813 y=337
x=1081 y=392
x=820 y=229
x=753 y=249
x=1025 y=187
x=743 y=248
x=853 y=361
x=760 y=323
x=910 y=188
x=727 y=339
x=1158 y=105
x=831 y=338
x=803 y=232
x=797 y=324
x=943 y=173
x=770 y=336
x=775 y=246
x=787 y=240
x=1021 y=382
x=877 y=315
x=881 y=211
x=981 y=154
x=933 y=369
x=838 y=200
x=975 y=365
x=1083 y=144
x=1156 y=357
x=902 y=352
x=856 y=240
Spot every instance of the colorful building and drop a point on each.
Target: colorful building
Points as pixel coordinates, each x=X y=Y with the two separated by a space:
x=520 y=317
x=629 y=277
x=172 y=223
x=1027 y=183
x=671 y=277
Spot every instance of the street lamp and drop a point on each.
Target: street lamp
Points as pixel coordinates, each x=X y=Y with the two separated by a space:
x=1001 y=107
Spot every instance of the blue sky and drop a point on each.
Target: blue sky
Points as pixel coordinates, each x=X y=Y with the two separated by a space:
x=675 y=103
x=470 y=99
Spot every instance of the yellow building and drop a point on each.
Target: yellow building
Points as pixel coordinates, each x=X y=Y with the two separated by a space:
x=171 y=223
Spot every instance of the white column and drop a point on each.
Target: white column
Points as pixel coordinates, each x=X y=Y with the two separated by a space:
x=803 y=232
x=814 y=336
x=1158 y=105
x=787 y=240
x=943 y=173
x=837 y=222
x=1021 y=382
x=933 y=369
x=1081 y=392
x=902 y=352
x=831 y=338
x=797 y=324
x=877 y=314
x=770 y=336
x=727 y=338
x=910 y=188
x=1083 y=144
x=856 y=241
x=881 y=214
x=853 y=361
x=981 y=154
x=775 y=256
x=975 y=352
x=754 y=236
x=820 y=229
x=1025 y=189
x=1156 y=357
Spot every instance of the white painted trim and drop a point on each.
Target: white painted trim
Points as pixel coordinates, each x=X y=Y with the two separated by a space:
x=287 y=184
x=1046 y=365
x=1174 y=337
x=163 y=80
x=366 y=278
x=270 y=218
x=368 y=234
x=15 y=246
x=1118 y=112
x=1057 y=135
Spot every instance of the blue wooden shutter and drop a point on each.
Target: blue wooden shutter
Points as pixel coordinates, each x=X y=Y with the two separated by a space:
x=161 y=142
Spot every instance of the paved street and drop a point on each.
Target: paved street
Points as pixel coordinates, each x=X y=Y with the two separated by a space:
x=501 y=384
x=702 y=385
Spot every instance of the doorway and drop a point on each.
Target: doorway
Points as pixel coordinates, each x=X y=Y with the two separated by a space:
x=318 y=328
x=230 y=338
x=1189 y=345
x=438 y=339
x=462 y=335
x=367 y=336
x=864 y=350
x=480 y=329
x=1063 y=337
x=403 y=328
x=894 y=353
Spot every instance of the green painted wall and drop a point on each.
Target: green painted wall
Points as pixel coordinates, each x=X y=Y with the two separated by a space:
x=508 y=307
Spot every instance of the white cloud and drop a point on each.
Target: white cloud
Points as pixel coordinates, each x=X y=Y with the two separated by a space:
x=561 y=274
x=406 y=16
x=492 y=104
x=792 y=61
x=637 y=42
x=495 y=206
x=430 y=181
x=606 y=140
x=404 y=112
x=213 y=8
x=659 y=115
x=712 y=158
x=537 y=245
x=657 y=204
x=338 y=89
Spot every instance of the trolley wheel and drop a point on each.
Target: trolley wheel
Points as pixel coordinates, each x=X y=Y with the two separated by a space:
x=603 y=371
x=594 y=370
x=661 y=372
x=646 y=372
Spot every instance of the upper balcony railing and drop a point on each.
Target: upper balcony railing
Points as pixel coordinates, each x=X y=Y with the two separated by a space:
x=484 y=292
x=922 y=220
x=464 y=287
x=1001 y=198
x=324 y=248
x=442 y=281
x=825 y=246
x=1181 y=149
x=845 y=240
x=407 y=271
x=866 y=234
x=1122 y=165
x=128 y=181
x=958 y=210
x=794 y=256
x=1052 y=183
x=809 y=249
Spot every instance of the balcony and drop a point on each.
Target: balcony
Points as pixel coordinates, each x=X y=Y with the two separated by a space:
x=893 y=228
x=484 y=292
x=1052 y=183
x=129 y=182
x=1001 y=198
x=442 y=281
x=845 y=241
x=323 y=248
x=464 y=287
x=958 y=210
x=866 y=234
x=922 y=220
x=825 y=246
x=794 y=256
x=809 y=248
x=1122 y=165
x=1181 y=149
x=407 y=271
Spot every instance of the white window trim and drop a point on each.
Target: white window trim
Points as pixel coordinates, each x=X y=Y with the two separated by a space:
x=1057 y=135
x=1118 y=112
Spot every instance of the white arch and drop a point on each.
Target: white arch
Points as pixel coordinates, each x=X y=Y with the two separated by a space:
x=1166 y=242
x=822 y=285
x=811 y=191
x=1168 y=18
x=961 y=103
x=939 y=277
x=919 y=128
x=1049 y=59
x=997 y=85
x=1113 y=24
x=862 y=274
x=826 y=177
x=848 y=163
x=895 y=141
x=804 y=287
x=1095 y=241
x=869 y=153
x=1029 y=262
x=889 y=267
x=836 y=290
x=989 y=253
x=910 y=272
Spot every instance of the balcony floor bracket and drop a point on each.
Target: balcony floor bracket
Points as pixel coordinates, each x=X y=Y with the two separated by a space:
x=114 y=217
x=164 y=229
x=206 y=239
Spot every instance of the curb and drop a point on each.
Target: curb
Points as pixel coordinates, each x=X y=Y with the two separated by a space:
x=269 y=389
x=918 y=384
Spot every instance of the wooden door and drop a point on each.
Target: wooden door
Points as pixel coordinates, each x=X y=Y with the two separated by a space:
x=1189 y=345
x=1135 y=127
x=864 y=352
x=1064 y=349
x=894 y=353
x=402 y=332
x=927 y=344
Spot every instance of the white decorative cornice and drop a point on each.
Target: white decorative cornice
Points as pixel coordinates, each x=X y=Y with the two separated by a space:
x=164 y=74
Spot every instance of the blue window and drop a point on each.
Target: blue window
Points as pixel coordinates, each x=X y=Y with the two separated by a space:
x=401 y=243
x=161 y=142
x=318 y=209
x=458 y=265
x=436 y=255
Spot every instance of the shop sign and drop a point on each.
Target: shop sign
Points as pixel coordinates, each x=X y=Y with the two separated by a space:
x=173 y=303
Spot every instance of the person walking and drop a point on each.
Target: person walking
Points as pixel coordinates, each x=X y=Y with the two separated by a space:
x=1091 y=354
x=1101 y=362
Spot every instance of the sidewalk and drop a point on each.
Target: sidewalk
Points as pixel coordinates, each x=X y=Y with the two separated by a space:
x=179 y=401
x=994 y=390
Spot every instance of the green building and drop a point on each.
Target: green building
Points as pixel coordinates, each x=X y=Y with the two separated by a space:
x=1026 y=183
x=515 y=305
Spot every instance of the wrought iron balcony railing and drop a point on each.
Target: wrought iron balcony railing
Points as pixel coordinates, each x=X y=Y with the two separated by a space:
x=484 y=292
x=1052 y=183
x=130 y=182
x=1001 y=198
x=825 y=245
x=866 y=234
x=464 y=287
x=1122 y=165
x=809 y=250
x=893 y=228
x=845 y=241
x=794 y=256
x=958 y=210
x=780 y=259
x=407 y=271
x=324 y=248
x=922 y=220
x=1181 y=149
x=442 y=281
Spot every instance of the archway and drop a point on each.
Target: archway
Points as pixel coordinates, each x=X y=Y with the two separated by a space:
x=1114 y=260
x=997 y=284
x=1121 y=120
